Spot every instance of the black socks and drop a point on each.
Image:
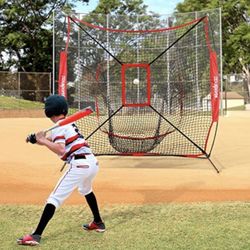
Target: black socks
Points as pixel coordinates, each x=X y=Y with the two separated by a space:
x=48 y=213
x=90 y=198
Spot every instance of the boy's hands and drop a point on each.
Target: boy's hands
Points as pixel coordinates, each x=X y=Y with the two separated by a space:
x=41 y=137
x=38 y=138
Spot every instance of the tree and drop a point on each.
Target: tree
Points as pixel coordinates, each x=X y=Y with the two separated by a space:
x=122 y=7
x=125 y=14
x=235 y=31
x=26 y=34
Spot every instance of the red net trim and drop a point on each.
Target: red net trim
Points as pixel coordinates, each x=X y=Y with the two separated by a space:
x=158 y=154
x=137 y=138
x=123 y=74
x=139 y=154
x=207 y=34
x=135 y=31
x=194 y=155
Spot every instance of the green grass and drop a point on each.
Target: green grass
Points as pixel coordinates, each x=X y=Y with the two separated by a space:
x=165 y=226
x=237 y=108
x=15 y=103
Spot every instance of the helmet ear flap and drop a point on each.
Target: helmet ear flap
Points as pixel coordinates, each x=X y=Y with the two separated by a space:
x=48 y=112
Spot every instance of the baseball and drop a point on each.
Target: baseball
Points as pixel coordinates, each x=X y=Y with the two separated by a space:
x=136 y=81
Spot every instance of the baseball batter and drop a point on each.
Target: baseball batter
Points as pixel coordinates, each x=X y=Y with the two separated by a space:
x=68 y=143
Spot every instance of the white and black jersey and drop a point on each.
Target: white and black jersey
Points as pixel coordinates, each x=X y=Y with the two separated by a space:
x=74 y=141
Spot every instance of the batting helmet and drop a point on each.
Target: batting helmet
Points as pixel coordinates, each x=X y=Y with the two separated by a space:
x=56 y=105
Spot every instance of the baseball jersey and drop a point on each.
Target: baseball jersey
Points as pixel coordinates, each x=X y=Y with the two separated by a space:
x=73 y=140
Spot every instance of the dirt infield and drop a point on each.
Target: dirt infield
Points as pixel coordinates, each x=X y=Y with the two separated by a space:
x=28 y=172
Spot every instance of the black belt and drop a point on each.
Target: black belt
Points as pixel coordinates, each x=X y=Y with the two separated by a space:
x=80 y=156
x=76 y=157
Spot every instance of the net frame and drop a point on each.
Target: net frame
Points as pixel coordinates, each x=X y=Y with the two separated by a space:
x=124 y=103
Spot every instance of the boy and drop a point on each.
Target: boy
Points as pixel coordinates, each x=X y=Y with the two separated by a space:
x=69 y=144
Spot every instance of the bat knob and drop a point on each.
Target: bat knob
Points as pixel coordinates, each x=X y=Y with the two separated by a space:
x=31 y=138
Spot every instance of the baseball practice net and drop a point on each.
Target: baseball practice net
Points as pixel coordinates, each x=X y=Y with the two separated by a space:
x=155 y=91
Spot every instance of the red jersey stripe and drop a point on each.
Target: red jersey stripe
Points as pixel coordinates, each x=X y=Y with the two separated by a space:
x=73 y=149
x=71 y=139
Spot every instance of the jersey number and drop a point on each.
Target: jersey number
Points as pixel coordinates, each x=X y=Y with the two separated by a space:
x=77 y=131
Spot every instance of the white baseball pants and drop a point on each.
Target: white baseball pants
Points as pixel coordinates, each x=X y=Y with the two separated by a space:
x=80 y=174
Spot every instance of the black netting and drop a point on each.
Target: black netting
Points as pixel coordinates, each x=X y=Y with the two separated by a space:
x=163 y=110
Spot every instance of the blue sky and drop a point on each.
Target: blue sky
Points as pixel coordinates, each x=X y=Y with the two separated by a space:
x=158 y=6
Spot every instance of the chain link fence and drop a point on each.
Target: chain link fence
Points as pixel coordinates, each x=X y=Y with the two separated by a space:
x=235 y=95
x=23 y=92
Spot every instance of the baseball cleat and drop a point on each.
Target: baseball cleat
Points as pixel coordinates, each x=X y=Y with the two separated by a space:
x=98 y=227
x=29 y=240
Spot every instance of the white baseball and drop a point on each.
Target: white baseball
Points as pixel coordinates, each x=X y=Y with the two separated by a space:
x=136 y=81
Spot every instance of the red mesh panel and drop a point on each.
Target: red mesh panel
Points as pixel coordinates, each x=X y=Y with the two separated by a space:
x=135 y=85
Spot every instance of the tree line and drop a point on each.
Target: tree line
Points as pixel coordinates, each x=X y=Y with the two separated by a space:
x=26 y=29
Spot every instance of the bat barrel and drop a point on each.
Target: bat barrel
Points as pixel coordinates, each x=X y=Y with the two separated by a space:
x=78 y=115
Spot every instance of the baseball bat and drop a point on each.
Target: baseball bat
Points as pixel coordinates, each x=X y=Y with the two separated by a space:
x=72 y=118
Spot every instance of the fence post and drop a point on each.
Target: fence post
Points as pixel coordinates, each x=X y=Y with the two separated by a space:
x=221 y=63
x=53 y=56
x=50 y=84
x=18 y=85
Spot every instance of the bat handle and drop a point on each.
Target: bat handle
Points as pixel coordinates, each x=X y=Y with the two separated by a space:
x=63 y=166
x=51 y=128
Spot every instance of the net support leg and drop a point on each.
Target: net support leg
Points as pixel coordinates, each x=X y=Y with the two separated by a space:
x=216 y=169
x=190 y=140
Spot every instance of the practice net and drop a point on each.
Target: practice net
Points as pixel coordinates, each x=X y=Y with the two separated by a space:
x=154 y=86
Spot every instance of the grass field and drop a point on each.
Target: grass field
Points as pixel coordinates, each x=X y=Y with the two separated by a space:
x=166 y=226
x=184 y=226
x=15 y=103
